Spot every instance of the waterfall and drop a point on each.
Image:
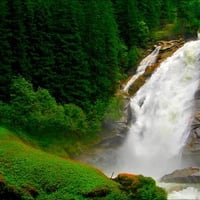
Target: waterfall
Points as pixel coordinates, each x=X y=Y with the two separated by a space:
x=148 y=61
x=189 y=193
x=163 y=110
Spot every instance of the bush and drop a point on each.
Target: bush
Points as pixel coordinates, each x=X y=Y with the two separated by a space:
x=115 y=108
x=37 y=112
x=140 y=187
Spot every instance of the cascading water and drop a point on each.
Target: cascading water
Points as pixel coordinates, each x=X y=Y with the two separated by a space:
x=163 y=109
x=189 y=193
x=148 y=61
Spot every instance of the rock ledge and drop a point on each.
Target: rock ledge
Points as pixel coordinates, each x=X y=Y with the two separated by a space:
x=186 y=175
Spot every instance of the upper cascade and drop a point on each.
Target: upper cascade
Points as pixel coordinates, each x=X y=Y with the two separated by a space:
x=162 y=110
x=147 y=61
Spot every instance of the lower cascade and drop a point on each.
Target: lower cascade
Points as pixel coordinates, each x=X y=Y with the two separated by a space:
x=189 y=193
x=162 y=111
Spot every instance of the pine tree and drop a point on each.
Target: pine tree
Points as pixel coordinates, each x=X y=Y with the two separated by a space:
x=71 y=81
x=101 y=34
x=5 y=52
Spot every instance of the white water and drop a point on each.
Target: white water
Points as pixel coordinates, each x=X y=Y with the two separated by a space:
x=181 y=191
x=148 y=61
x=190 y=193
x=163 y=108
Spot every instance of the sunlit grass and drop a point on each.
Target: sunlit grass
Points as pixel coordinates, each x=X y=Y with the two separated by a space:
x=54 y=177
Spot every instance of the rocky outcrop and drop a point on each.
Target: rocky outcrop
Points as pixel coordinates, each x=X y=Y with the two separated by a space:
x=166 y=50
x=191 y=151
x=187 y=175
x=140 y=187
x=114 y=131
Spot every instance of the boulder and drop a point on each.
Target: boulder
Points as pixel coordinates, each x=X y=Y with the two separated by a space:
x=191 y=151
x=186 y=175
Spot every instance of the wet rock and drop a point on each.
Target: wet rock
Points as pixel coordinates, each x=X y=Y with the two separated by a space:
x=167 y=49
x=114 y=131
x=191 y=151
x=186 y=175
x=169 y=45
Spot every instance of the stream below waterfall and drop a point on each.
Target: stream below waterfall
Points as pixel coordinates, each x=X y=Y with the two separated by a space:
x=162 y=111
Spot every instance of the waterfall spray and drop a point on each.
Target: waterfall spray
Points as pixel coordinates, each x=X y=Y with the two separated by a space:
x=163 y=109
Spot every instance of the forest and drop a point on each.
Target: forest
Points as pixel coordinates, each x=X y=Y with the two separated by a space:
x=61 y=61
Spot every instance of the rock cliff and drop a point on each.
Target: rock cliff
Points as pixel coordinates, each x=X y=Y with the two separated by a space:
x=186 y=175
x=191 y=151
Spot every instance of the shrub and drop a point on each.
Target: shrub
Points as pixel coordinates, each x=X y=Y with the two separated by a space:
x=37 y=112
x=140 y=187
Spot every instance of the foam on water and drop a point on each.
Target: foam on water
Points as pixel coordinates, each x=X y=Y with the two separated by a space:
x=163 y=109
x=190 y=193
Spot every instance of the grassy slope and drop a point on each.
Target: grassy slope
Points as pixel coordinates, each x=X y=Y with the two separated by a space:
x=53 y=177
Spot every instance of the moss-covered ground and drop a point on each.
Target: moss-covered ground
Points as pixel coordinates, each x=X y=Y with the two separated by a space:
x=28 y=173
x=34 y=174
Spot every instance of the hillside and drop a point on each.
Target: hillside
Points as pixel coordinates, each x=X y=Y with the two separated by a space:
x=28 y=173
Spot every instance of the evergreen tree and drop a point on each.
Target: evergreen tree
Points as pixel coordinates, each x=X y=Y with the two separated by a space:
x=40 y=44
x=17 y=41
x=185 y=17
x=150 y=12
x=71 y=83
x=168 y=11
x=5 y=52
x=101 y=36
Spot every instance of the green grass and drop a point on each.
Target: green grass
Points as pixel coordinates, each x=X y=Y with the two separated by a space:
x=55 y=178
x=28 y=173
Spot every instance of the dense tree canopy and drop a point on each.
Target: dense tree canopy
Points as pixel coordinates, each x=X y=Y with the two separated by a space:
x=76 y=49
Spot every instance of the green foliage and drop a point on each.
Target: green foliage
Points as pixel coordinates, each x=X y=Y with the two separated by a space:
x=140 y=187
x=77 y=50
x=44 y=42
x=167 y=32
x=115 y=108
x=33 y=174
x=101 y=34
x=37 y=112
x=123 y=57
x=134 y=55
x=96 y=115
x=188 y=17
x=76 y=119
x=26 y=169
x=168 y=11
x=146 y=189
